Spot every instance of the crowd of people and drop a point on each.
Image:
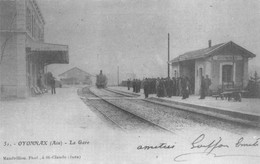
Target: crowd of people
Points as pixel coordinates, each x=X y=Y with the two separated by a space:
x=168 y=87
x=136 y=84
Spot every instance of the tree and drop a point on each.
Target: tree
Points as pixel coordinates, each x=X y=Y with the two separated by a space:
x=253 y=86
x=255 y=78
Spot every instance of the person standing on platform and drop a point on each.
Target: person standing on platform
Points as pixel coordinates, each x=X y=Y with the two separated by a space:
x=183 y=87
x=192 y=85
x=52 y=83
x=165 y=87
x=134 y=85
x=177 y=86
x=128 y=84
x=180 y=87
x=153 y=86
x=174 y=86
x=146 y=88
x=207 y=84
x=39 y=82
x=202 y=88
x=160 y=88
x=139 y=85
x=157 y=83
x=188 y=87
x=149 y=81
x=169 y=87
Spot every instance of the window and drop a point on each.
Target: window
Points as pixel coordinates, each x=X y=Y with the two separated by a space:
x=32 y=25
x=39 y=33
x=42 y=34
x=227 y=74
x=28 y=20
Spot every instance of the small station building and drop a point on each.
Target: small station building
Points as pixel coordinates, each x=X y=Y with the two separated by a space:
x=24 y=54
x=226 y=64
x=75 y=76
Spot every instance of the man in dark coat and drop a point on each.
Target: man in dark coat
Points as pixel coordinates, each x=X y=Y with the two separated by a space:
x=146 y=88
x=52 y=83
x=134 y=85
x=169 y=87
x=153 y=86
x=202 y=88
x=139 y=85
x=157 y=83
x=39 y=82
x=188 y=87
x=180 y=86
x=161 y=88
x=183 y=83
x=174 y=86
x=128 y=84
x=207 y=84
x=177 y=86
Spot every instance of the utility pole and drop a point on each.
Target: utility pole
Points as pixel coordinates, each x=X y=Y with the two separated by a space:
x=168 y=63
x=118 y=75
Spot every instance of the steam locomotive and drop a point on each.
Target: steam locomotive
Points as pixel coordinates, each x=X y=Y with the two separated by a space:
x=101 y=81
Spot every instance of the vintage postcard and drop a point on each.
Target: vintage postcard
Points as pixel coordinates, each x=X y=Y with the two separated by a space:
x=129 y=81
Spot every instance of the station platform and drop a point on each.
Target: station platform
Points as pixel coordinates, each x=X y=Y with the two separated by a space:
x=64 y=117
x=59 y=114
x=247 y=111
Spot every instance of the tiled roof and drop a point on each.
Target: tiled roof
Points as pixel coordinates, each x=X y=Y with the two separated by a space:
x=202 y=53
x=75 y=68
x=197 y=53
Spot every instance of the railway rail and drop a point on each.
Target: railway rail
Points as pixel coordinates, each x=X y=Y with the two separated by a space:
x=166 y=118
x=190 y=118
x=122 y=118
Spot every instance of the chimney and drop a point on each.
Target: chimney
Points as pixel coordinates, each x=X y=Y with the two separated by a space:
x=209 y=43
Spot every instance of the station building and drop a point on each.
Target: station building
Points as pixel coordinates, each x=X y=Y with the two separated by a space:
x=226 y=64
x=75 y=76
x=24 y=54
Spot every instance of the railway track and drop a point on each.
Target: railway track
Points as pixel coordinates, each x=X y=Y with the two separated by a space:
x=174 y=120
x=120 y=117
x=179 y=119
x=122 y=93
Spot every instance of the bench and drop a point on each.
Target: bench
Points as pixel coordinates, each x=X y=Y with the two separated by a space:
x=229 y=94
x=218 y=94
x=235 y=94
x=35 y=90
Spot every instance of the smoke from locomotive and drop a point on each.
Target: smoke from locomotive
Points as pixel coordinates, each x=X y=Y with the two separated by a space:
x=101 y=81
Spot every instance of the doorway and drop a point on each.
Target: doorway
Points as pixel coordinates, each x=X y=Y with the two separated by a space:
x=227 y=76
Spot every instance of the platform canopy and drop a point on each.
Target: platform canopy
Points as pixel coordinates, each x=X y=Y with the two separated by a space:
x=47 y=53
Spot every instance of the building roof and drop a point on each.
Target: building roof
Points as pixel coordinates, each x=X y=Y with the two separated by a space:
x=35 y=3
x=75 y=68
x=202 y=53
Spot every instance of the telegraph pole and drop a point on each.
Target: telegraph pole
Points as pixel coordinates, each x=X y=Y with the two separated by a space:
x=118 y=75
x=168 y=63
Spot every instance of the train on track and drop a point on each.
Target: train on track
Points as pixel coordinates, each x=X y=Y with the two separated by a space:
x=101 y=81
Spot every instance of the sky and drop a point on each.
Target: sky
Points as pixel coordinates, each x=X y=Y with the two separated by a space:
x=132 y=34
